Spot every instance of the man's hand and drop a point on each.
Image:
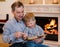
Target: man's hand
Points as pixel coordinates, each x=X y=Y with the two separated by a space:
x=18 y=34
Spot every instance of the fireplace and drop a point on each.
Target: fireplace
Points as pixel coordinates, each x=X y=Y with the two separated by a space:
x=50 y=27
x=48 y=11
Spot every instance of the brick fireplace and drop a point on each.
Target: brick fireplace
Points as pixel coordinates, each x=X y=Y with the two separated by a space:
x=46 y=11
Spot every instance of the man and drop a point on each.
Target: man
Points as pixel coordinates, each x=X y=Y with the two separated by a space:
x=13 y=29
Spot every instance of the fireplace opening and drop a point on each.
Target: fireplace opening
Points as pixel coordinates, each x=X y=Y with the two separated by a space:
x=50 y=27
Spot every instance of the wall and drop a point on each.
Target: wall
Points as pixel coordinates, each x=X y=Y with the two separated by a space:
x=40 y=1
x=5 y=8
x=51 y=1
x=28 y=1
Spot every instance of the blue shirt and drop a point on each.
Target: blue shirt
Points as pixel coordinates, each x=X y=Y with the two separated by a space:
x=10 y=28
x=36 y=31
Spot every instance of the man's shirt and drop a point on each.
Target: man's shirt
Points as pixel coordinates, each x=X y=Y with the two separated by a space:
x=10 y=28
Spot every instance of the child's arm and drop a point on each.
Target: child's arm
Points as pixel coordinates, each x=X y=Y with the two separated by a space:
x=40 y=40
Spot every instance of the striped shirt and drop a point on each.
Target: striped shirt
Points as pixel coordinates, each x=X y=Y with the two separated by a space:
x=36 y=31
x=10 y=28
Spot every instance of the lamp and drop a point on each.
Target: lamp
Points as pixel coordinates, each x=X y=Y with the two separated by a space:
x=55 y=2
x=32 y=2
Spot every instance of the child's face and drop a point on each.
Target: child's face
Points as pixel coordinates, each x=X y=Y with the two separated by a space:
x=31 y=23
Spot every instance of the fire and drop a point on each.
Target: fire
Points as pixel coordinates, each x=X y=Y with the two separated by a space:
x=51 y=27
x=52 y=22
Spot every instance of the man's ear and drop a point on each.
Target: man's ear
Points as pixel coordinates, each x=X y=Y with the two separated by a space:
x=11 y=11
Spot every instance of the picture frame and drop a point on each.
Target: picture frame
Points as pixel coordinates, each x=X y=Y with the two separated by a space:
x=2 y=0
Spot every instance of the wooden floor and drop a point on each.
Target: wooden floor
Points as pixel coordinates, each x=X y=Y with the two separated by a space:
x=2 y=44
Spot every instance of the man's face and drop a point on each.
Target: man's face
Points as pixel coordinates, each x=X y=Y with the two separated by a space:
x=18 y=13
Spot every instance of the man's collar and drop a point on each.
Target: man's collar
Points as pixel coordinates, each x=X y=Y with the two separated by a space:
x=17 y=20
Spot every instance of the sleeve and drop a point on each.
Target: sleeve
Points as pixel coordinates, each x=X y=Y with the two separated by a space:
x=26 y=31
x=8 y=37
x=41 y=32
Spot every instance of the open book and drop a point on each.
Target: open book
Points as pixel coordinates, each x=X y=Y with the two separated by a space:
x=35 y=37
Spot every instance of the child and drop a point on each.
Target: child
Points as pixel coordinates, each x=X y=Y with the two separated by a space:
x=32 y=31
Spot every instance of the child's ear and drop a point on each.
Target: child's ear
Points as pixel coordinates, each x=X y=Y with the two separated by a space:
x=35 y=21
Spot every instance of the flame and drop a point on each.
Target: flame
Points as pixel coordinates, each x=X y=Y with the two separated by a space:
x=52 y=22
x=50 y=27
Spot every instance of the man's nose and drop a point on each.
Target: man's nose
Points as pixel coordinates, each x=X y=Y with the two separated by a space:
x=21 y=14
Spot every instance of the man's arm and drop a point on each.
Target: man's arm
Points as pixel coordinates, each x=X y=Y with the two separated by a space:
x=7 y=36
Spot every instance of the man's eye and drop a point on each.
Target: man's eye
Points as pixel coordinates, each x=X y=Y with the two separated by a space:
x=18 y=12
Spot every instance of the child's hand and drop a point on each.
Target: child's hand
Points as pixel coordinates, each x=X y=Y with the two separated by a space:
x=32 y=38
x=25 y=36
x=38 y=40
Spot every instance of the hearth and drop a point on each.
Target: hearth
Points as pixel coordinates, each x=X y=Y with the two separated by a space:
x=50 y=27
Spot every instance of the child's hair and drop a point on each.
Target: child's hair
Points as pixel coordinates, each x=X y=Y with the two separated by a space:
x=28 y=17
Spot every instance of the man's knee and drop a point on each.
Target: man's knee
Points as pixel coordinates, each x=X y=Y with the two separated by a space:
x=41 y=45
x=30 y=44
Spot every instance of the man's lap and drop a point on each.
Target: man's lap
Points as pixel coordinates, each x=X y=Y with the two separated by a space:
x=42 y=45
x=17 y=45
x=33 y=44
x=30 y=44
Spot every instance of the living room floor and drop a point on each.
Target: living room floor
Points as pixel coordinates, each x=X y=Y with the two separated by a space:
x=2 y=44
